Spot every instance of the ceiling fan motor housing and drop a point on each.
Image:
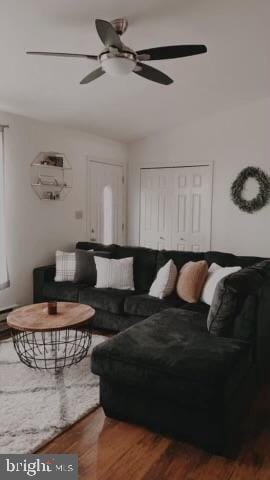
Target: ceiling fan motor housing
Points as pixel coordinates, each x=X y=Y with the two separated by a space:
x=120 y=25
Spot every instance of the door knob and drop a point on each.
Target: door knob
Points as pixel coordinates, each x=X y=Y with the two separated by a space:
x=161 y=238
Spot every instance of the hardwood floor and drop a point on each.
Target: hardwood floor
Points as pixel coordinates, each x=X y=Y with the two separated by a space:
x=111 y=450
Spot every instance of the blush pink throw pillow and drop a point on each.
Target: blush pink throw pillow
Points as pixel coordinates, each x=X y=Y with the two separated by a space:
x=191 y=280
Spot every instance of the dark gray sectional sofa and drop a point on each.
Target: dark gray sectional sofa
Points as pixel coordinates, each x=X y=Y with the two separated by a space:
x=167 y=371
x=117 y=310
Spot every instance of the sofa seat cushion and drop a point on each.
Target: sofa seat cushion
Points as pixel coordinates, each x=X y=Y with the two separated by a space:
x=172 y=354
x=107 y=299
x=113 y=322
x=199 y=307
x=145 y=305
x=62 y=291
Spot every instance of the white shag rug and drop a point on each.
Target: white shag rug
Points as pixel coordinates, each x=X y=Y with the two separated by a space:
x=36 y=406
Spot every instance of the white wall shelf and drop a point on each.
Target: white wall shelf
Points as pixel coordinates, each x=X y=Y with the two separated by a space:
x=51 y=176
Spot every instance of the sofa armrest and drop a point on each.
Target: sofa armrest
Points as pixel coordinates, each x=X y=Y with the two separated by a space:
x=41 y=275
x=263 y=334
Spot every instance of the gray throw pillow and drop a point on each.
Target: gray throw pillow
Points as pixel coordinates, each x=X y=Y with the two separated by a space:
x=223 y=310
x=85 y=271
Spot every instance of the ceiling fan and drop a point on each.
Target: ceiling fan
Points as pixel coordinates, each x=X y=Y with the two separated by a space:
x=118 y=59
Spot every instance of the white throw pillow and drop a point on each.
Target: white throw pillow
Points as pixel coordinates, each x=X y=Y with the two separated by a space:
x=112 y=273
x=215 y=274
x=165 y=280
x=65 y=266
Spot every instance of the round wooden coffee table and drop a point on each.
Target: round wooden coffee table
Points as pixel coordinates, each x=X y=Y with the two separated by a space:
x=51 y=342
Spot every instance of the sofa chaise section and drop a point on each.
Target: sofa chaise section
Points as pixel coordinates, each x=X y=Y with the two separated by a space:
x=170 y=375
x=178 y=374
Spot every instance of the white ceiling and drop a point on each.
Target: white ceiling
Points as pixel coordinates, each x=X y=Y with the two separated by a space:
x=235 y=69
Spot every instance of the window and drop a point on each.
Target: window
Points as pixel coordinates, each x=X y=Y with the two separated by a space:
x=107 y=215
x=4 y=280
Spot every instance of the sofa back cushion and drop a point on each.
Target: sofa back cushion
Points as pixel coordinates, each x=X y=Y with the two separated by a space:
x=229 y=260
x=96 y=246
x=224 y=308
x=85 y=270
x=245 y=323
x=144 y=266
x=233 y=310
x=179 y=258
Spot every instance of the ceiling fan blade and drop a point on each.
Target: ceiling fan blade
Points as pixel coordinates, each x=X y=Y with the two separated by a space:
x=173 y=51
x=107 y=34
x=59 y=54
x=92 y=76
x=152 y=74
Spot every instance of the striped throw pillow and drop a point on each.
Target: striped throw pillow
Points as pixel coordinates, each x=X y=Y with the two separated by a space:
x=112 y=273
x=65 y=266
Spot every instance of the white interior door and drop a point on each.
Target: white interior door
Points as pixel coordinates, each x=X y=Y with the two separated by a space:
x=191 y=209
x=176 y=208
x=155 y=231
x=106 y=203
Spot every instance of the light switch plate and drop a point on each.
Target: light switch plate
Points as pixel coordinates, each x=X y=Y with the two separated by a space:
x=78 y=214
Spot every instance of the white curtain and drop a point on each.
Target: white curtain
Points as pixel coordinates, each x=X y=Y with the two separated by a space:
x=4 y=278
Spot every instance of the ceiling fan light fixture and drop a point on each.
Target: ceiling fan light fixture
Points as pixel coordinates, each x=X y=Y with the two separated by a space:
x=117 y=59
x=118 y=65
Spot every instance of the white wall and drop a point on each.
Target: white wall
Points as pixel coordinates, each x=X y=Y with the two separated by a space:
x=231 y=140
x=35 y=228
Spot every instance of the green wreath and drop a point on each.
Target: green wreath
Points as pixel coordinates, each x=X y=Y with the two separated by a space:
x=263 y=196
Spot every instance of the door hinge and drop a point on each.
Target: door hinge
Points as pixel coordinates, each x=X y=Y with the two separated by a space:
x=123 y=226
x=123 y=179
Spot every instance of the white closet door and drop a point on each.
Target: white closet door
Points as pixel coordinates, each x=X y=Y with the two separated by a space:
x=155 y=229
x=106 y=203
x=191 y=201
x=176 y=208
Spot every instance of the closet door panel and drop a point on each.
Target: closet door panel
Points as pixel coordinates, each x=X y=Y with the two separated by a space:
x=155 y=221
x=176 y=208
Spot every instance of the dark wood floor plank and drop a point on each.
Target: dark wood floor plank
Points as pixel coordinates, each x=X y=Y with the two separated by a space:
x=176 y=463
x=86 y=431
x=214 y=467
x=133 y=464
x=113 y=444
x=111 y=450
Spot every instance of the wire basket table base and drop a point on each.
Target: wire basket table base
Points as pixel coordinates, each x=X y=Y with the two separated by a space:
x=52 y=349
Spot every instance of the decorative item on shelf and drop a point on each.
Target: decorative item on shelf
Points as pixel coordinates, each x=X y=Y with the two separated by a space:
x=51 y=196
x=47 y=180
x=51 y=169
x=55 y=161
x=52 y=308
x=238 y=186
